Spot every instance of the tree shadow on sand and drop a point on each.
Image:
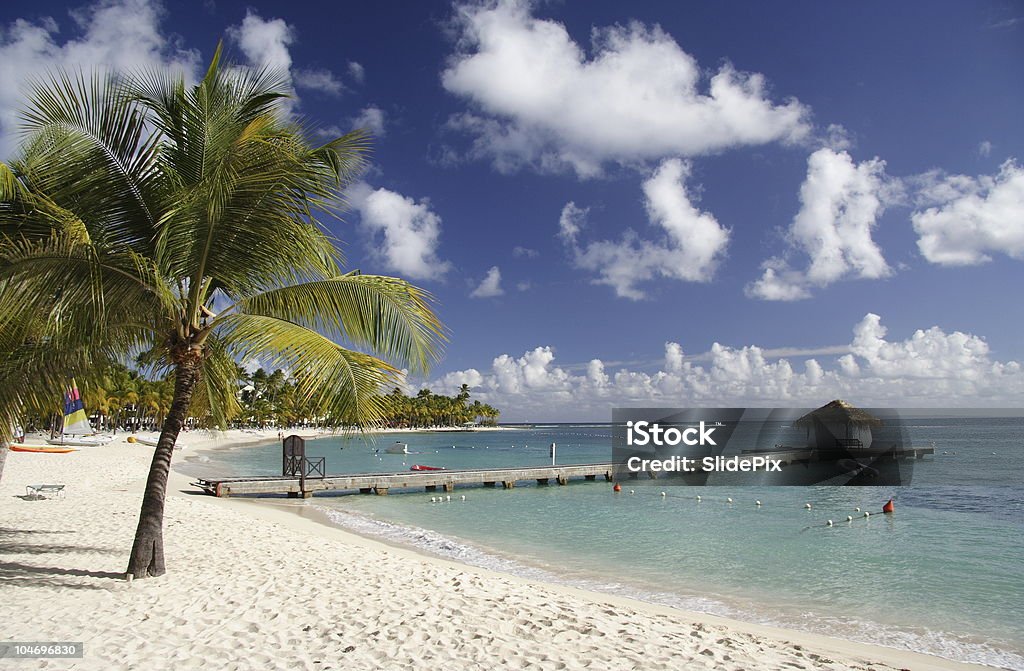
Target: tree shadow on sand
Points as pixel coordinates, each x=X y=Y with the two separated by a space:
x=30 y=542
x=16 y=574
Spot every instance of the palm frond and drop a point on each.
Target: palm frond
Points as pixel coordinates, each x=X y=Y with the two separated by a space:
x=85 y=295
x=343 y=386
x=386 y=314
x=215 y=400
x=88 y=145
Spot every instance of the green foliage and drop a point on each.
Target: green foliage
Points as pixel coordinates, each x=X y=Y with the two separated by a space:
x=427 y=409
x=184 y=222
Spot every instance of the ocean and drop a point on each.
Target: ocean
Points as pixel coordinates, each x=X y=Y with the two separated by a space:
x=943 y=575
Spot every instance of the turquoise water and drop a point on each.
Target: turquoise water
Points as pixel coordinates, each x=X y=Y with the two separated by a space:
x=943 y=575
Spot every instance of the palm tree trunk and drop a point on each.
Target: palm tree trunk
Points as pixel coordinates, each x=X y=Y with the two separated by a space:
x=148 y=550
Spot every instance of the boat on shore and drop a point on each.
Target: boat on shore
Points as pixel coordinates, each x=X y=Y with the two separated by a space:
x=77 y=431
x=152 y=443
x=80 y=441
x=420 y=467
x=43 y=449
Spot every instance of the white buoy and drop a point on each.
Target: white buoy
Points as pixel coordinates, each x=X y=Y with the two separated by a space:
x=463 y=497
x=757 y=503
x=829 y=523
x=664 y=494
x=857 y=509
x=807 y=505
x=433 y=499
x=729 y=500
x=698 y=498
x=631 y=492
x=849 y=518
x=449 y=497
x=867 y=514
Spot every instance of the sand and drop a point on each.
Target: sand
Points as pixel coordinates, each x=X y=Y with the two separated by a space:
x=255 y=586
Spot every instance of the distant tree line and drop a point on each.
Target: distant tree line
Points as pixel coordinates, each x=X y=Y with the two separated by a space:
x=124 y=400
x=427 y=409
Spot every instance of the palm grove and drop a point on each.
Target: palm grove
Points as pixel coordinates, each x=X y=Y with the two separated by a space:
x=180 y=224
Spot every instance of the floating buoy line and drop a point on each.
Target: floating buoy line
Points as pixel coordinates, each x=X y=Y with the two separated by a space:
x=888 y=508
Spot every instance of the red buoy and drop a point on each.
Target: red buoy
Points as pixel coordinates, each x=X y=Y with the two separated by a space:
x=617 y=487
x=888 y=507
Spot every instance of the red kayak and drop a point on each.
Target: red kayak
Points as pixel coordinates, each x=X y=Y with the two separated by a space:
x=43 y=449
x=417 y=467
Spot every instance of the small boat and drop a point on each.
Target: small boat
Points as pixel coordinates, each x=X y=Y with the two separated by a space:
x=77 y=432
x=43 y=449
x=80 y=441
x=152 y=443
x=419 y=467
x=398 y=448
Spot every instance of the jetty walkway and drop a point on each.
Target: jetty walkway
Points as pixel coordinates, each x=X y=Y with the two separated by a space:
x=382 y=483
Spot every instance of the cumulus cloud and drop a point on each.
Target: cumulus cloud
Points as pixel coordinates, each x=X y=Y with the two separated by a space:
x=356 y=71
x=117 y=35
x=840 y=202
x=404 y=233
x=318 y=79
x=929 y=368
x=970 y=218
x=690 y=248
x=264 y=43
x=372 y=119
x=540 y=99
x=267 y=43
x=490 y=286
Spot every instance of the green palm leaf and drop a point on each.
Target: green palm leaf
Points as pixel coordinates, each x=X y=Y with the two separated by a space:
x=388 y=315
x=338 y=383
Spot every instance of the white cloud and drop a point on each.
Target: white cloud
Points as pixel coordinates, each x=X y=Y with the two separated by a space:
x=404 y=233
x=541 y=100
x=267 y=43
x=524 y=285
x=319 y=80
x=929 y=368
x=971 y=217
x=264 y=43
x=524 y=252
x=356 y=71
x=840 y=205
x=984 y=149
x=690 y=249
x=490 y=286
x=372 y=119
x=118 y=35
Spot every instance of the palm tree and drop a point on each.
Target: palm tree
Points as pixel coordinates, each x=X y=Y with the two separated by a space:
x=144 y=214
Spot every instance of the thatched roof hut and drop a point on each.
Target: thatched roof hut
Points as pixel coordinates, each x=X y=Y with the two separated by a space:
x=839 y=412
x=838 y=424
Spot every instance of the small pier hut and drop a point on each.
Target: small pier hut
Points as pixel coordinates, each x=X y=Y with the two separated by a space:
x=838 y=424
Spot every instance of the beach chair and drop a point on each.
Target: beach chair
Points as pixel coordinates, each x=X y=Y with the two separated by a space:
x=42 y=491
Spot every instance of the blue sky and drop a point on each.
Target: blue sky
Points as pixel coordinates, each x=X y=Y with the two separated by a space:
x=652 y=203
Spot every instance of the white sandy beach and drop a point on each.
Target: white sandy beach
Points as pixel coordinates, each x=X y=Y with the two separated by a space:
x=253 y=586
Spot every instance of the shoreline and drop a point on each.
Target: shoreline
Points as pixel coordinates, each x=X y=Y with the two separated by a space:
x=306 y=516
x=289 y=599
x=517 y=567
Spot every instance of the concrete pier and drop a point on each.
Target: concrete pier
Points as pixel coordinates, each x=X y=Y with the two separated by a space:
x=382 y=483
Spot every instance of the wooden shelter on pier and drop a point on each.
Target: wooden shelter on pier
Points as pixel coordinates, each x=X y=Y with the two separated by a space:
x=838 y=424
